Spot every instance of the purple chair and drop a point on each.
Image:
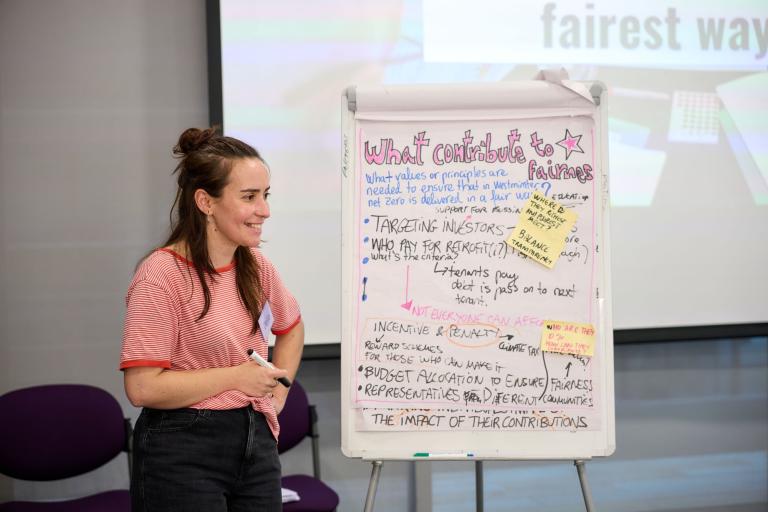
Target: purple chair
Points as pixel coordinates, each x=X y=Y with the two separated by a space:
x=61 y=431
x=298 y=420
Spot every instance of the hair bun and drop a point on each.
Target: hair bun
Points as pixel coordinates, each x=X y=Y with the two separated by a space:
x=192 y=140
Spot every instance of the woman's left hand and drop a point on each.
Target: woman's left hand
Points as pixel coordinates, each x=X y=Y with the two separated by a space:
x=278 y=401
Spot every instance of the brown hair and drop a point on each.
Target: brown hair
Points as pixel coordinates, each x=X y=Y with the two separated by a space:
x=205 y=161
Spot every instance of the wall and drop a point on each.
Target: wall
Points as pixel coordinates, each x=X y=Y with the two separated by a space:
x=93 y=95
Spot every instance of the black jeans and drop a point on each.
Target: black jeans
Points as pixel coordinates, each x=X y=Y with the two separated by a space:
x=204 y=460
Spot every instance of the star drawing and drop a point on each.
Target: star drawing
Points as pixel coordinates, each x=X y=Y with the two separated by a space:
x=570 y=144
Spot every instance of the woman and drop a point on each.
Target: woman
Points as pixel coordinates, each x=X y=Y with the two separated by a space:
x=206 y=437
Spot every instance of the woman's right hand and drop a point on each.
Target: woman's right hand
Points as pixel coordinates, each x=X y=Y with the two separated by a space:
x=255 y=380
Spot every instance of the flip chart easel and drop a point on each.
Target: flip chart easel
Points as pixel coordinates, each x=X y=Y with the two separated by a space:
x=442 y=319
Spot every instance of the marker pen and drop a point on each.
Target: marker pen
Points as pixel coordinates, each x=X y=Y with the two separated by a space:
x=425 y=455
x=266 y=364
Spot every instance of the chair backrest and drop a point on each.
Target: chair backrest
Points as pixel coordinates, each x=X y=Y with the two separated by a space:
x=59 y=431
x=295 y=418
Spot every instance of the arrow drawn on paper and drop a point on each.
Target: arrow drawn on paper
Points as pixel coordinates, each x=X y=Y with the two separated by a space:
x=407 y=304
x=546 y=373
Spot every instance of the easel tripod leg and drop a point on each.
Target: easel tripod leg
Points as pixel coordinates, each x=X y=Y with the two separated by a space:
x=584 y=485
x=479 y=486
x=372 y=484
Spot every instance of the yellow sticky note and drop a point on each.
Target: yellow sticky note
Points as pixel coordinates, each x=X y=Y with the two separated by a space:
x=568 y=338
x=541 y=230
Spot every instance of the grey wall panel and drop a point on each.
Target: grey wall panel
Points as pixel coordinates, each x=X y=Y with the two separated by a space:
x=93 y=95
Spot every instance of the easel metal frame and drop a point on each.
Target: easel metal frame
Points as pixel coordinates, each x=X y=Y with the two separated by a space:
x=376 y=467
x=596 y=90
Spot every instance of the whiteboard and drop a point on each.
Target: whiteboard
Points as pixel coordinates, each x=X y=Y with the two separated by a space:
x=441 y=319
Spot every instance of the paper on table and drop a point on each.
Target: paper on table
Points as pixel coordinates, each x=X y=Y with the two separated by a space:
x=289 y=495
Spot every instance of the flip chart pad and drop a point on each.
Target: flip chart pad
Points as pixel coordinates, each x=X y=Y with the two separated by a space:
x=443 y=320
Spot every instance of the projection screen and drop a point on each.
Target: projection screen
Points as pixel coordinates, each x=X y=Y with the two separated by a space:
x=688 y=119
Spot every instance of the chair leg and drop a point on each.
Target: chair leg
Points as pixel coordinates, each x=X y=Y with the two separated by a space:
x=316 y=457
x=315 y=441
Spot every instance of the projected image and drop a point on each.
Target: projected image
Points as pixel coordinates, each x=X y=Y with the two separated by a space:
x=694 y=58
x=687 y=52
x=687 y=108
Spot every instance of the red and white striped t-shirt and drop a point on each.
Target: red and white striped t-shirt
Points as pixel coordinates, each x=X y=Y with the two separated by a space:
x=164 y=301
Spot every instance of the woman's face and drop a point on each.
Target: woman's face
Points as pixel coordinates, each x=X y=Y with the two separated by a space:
x=239 y=213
